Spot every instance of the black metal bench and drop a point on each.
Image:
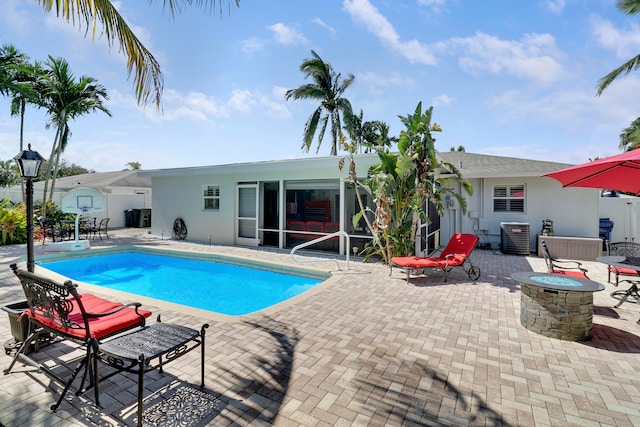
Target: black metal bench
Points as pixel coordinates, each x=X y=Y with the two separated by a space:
x=58 y=309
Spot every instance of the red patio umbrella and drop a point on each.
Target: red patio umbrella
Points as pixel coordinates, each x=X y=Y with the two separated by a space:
x=620 y=172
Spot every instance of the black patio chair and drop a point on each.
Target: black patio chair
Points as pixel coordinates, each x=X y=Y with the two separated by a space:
x=558 y=266
x=51 y=229
x=101 y=228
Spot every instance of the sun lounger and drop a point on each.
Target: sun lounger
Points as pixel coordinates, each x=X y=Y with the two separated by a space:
x=455 y=254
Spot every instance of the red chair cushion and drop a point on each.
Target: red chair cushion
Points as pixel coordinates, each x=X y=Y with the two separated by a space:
x=98 y=327
x=428 y=262
x=455 y=253
x=571 y=273
x=623 y=270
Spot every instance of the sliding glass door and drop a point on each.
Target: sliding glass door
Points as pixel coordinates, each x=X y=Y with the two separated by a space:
x=247 y=225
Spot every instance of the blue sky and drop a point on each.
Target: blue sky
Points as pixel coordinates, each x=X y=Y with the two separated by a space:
x=512 y=78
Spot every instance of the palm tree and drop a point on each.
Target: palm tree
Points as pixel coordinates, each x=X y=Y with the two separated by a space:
x=27 y=77
x=328 y=88
x=17 y=79
x=354 y=127
x=133 y=166
x=147 y=77
x=11 y=60
x=630 y=137
x=372 y=135
x=630 y=7
x=376 y=136
x=402 y=183
x=9 y=173
x=66 y=99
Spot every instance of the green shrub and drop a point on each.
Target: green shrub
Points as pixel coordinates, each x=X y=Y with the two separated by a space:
x=13 y=223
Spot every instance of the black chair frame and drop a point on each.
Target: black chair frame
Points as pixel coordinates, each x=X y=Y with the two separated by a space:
x=52 y=302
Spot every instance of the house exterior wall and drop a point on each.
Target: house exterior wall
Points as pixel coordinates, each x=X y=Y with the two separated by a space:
x=574 y=211
x=178 y=193
x=182 y=197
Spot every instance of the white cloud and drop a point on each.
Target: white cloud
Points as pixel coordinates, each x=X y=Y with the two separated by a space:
x=323 y=24
x=199 y=107
x=252 y=45
x=394 y=79
x=16 y=17
x=555 y=6
x=443 y=100
x=573 y=110
x=193 y=106
x=625 y=44
x=534 y=57
x=286 y=35
x=436 y=6
x=363 y=12
x=278 y=92
x=248 y=102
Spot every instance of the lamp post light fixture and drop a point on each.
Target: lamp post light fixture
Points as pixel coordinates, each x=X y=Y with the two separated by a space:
x=29 y=163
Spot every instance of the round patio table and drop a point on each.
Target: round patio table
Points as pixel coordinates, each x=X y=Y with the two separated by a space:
x=557 y=306
x=631 y=262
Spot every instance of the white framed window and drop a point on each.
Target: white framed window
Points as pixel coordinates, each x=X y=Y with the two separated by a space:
x=211 y=197
x=509 y=198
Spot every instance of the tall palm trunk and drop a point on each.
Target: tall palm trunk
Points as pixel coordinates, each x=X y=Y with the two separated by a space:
x=47 y=174
x=61 y=146
x=23 y=107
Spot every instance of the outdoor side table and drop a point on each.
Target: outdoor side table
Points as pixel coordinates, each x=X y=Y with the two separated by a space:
x=133 y=352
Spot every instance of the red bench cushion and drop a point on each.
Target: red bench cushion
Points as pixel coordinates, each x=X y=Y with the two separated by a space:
x=98 y=327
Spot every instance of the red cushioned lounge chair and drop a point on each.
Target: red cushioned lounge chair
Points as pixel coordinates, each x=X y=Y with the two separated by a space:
x=558 y=266
x=455 y=254
x=85 y=319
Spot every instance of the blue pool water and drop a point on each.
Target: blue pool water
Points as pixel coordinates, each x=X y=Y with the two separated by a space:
x=213 y=286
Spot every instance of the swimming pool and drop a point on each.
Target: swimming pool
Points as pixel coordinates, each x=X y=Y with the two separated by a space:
x=187 y=278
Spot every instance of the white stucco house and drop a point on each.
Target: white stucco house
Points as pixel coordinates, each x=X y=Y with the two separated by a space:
x=281 y=203
x=123 y=190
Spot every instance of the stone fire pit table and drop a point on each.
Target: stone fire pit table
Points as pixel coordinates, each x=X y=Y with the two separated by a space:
x=557 y=306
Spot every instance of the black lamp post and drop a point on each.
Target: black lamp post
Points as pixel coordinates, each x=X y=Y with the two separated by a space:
x=29 y=163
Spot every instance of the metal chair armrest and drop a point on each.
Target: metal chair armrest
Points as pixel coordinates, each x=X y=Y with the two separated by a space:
x=130 y=305
x=576 y=265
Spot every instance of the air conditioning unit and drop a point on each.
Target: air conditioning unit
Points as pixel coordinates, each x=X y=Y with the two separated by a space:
x=515 y=238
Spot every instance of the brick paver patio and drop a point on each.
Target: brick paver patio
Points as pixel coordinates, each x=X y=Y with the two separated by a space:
x=362 y=349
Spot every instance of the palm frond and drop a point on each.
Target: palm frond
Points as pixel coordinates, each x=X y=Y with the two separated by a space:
x=624 y=69
x=310 y=129
x=148 y=81
x=630 y=7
